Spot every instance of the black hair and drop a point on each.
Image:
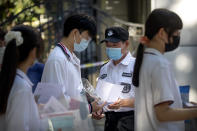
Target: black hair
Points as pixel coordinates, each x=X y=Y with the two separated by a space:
x=13 y=56
x=81 y=22
x=158 y=18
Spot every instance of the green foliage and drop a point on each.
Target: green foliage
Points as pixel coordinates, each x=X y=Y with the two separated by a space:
x=10 y=8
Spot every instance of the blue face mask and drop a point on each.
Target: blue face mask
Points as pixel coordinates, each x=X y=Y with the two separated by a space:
x=114 y=53
x=82 y=45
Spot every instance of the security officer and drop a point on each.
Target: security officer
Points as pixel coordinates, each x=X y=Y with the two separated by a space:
x=119 y=71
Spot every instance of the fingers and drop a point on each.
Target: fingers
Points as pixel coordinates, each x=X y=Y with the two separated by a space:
x=102 y=105
x=97 y=116
x=114 y=106
x=95 y=101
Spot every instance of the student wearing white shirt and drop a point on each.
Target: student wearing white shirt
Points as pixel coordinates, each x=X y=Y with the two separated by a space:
x=18 y=110
x=119 y=71
x=158 y=105
x=62 y=66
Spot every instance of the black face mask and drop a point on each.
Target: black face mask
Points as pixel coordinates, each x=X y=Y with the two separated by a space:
x=174 y=45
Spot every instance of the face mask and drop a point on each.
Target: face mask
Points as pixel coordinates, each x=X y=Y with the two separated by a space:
x=174 y=45
x=114 y=53
x=82 y=45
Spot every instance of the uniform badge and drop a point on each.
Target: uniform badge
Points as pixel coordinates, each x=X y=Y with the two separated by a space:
x=103 y=76
x=127 y=74
x=126 y=88
x=110 y=33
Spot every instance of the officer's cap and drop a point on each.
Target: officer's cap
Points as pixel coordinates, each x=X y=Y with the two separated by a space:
x=115 y=35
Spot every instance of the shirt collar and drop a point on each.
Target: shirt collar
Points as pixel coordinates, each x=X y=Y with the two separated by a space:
x=154 y=51
x=157 y=53
x=76 y=59
x=65 y=49
x=21 y=74
x=72 y=56
x=128 y=58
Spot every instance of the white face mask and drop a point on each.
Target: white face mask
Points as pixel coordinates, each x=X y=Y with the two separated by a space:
x=82 y=45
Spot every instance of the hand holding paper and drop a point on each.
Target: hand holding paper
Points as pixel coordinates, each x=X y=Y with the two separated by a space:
x=96 y=107
x=108 y=92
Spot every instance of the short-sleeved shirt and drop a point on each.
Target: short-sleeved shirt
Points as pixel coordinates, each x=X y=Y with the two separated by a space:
x=22 y=112
x=63 y=68
x=120 y=74
x=156 y=85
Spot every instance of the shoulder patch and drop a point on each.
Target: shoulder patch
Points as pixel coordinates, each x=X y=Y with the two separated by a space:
x=126 y=88
x=103 y=76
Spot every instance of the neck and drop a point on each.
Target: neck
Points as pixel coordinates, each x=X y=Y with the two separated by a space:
x=24 y=66
x=118 y=61
x=66 y=41
x=157 y=45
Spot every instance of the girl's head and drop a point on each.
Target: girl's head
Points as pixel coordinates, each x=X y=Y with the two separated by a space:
x=21 y=42
x=163 y=25
x=162 y=18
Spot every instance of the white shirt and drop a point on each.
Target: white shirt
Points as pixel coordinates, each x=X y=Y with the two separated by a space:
x=156 y=85
x=63 y=68
x=120 y=74
x=22 y=113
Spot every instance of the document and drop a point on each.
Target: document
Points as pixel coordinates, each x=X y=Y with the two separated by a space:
x=108 y=92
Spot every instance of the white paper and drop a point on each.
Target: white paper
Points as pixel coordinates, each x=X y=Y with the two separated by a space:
x=53 y=105
x=45 y=90
x=108 y=92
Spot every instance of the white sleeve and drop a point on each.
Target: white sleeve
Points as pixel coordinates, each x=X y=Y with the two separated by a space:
x=161 y=85
x=54 y=72
x=22 y=113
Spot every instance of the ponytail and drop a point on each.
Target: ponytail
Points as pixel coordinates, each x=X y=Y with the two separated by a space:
x=7 y=74
x=137 y=66
x=20 y=41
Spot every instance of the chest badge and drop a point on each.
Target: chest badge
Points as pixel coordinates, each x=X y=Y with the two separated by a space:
x=127 y=74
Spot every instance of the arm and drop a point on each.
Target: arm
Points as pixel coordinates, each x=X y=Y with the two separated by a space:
x=165 y=113
x=96 y=107
x=122 y=103
x=127 y=102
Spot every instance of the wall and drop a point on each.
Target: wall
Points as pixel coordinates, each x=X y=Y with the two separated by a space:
x=183 y=59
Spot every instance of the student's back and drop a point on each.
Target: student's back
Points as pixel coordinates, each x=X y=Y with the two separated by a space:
x=161 y=86
x=158 y=103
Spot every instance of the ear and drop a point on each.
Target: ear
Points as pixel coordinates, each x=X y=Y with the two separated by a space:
x=162 y=35
x=74 y=32
x=125 y=47
x=127 y=43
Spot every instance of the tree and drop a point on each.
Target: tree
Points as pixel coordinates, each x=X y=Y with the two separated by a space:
x=14 y=12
